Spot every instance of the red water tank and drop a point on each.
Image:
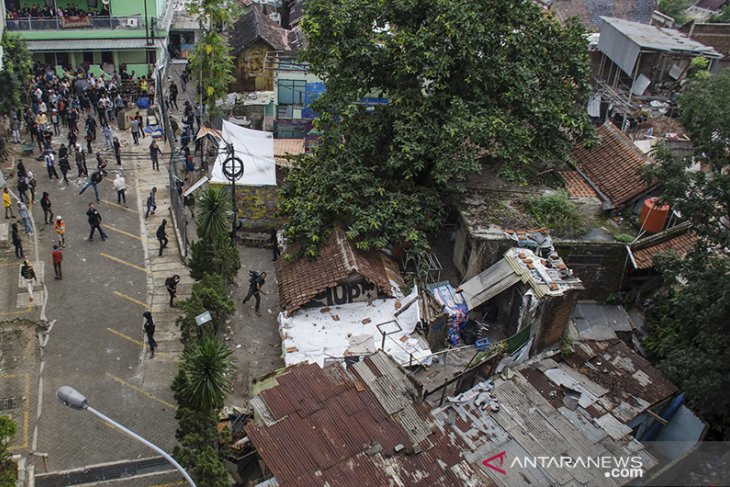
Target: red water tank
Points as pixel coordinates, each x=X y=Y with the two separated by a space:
x=653 y=216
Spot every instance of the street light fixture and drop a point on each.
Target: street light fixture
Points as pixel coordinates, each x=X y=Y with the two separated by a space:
x=75 y=400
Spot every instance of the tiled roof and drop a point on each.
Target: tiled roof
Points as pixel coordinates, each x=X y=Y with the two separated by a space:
x=331 y=426
x=576 y=186
x=613 y=165
x=301 y=280
x=589 y=12
x=256 y=26
x=680 y=245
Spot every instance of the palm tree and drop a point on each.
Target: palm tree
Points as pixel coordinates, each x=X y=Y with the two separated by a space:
x=214 y=211
x=208 y=369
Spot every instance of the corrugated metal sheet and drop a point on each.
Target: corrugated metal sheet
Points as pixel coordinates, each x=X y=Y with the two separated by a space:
x=85 y=44
x=618 y=48
x=327 y=432
x=488 y=283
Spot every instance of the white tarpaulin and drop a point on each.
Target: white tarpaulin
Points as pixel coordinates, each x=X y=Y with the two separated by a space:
x=255 y=148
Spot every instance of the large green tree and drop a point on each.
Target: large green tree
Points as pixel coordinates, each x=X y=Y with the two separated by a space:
x=16 y=72
x=210 y=63
x=463 y=78
x=689 y=326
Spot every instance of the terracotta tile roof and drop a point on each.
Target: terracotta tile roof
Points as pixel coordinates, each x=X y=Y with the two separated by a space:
x=301 y=280
x=613 y=165
x=589 y=12
x=331 y=426
x=680 y=245
x=576 y=186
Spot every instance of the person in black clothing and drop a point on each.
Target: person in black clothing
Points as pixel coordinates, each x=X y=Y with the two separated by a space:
x=162 y=235
x=173 y=95
x=91 y=126
x=149 y=329
x=17 y=243
x=22 y=172
x=154 y=153
x=95 y=223
x=63 y=163
x=23 y=189
x=117 y=151
x=275 y=245
x=46 y=206
x=171 y=285
x=256 y=282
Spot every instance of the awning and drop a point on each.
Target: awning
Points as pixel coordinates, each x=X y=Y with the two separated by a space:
x=489 y=283
x=86 y=44
x=254 y=148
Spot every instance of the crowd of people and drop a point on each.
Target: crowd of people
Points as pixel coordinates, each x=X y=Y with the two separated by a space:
x=47 y=12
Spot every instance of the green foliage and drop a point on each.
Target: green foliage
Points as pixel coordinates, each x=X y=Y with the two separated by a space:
x=214 y=214
x=204 y=466
x=677 y=9
x=723 y=17
x=701 y=197
x=8 y=468
x=208 y=369
x=16 y=72
x=558 y=213
x=210 y=63
x=209 y=294
x=208 y=257
x=460 y=76
x=689 y=332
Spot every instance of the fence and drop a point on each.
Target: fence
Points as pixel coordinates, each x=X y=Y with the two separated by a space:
x=134 y=22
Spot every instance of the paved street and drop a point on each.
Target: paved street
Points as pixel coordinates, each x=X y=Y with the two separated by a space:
x=96 y=343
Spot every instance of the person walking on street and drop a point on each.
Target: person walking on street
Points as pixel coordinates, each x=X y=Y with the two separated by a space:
x=56 y=121
x=94 y=180
x=28 y=274
x=151 y=203
x=46 y=206
x=255 y=285
x=171 y=285
x=50 y=164
x=15 y=127
x=162 y=235
x=149 y=330
x=24 y=215
x=81 y=162
x=135 y=130
x=91 y=127
x=89 y=140
x=30 y=183
x=17 y=243
x=95 y=223
x=7 y=204
x=57 y=257
x=173 y=95
x=120 y=185
x=63 y=163
x=59 y=226
x=107 y=131
x=154 y=153
x=117 y=151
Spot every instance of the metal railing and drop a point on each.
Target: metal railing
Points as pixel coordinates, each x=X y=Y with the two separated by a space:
x=131 y=22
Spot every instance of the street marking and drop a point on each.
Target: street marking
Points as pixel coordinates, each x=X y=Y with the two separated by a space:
x=128 y=264
x=129 y=298
x=114 y=229
x=120 y=206
x=126 y=337
x=26 y=413
x=141 y=391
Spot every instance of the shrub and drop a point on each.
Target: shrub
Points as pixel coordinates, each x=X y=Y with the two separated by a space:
x=556 y=212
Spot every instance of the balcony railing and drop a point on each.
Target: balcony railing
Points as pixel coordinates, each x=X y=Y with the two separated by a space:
x=133 y=22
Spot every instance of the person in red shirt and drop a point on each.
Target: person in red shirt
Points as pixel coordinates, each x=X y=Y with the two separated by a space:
x=57 y=259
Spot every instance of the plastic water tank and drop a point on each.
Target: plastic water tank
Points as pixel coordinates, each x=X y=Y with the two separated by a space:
x=653 y=216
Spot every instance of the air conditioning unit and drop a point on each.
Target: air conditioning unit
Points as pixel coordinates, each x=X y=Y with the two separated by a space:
x=132 y=22
x=276 y=17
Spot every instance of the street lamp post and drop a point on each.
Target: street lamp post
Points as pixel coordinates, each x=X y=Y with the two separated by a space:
x=233 y=170
x=75 y=400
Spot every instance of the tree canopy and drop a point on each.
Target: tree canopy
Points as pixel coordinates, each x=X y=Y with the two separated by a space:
x=689 y=328
x=16 y=72
x=463 y=79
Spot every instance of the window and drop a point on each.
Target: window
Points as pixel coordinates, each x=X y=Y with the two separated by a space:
x=107 y=57
x=93 y=4
x=284 y=112
x=62 y=59
x=89 y=57
x=292 y=92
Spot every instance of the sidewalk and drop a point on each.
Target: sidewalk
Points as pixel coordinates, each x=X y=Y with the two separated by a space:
x=158 y=372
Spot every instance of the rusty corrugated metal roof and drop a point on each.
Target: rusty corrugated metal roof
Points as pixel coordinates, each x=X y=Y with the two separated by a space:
x=331 y=429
